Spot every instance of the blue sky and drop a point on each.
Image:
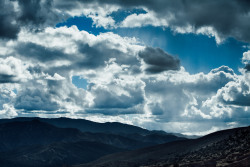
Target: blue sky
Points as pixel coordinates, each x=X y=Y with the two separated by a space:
x=179 y=66
x=198 y=53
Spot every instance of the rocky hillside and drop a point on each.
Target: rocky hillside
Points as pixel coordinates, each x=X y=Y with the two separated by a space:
x=224 y=148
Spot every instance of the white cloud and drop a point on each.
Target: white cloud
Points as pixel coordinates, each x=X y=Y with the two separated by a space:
x=55 y=77
x=13 y=70
x=246 y=57
x=140 y=20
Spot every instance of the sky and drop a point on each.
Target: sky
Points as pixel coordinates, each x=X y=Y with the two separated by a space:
x=179 y=66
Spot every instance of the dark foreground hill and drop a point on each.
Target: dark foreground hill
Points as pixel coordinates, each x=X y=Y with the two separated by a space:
x=40 y=144
x=223 y=148
x=58 y=154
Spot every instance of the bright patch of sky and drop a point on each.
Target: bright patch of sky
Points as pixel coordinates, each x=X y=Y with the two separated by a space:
x=80 y=82
x=120 y=15
x=82 y=23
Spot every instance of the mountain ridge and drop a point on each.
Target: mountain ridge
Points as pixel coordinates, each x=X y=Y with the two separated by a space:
x=95 y=127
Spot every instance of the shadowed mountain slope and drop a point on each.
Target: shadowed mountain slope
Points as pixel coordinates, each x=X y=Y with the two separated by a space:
x=101 y=131
x=17 y=134
x=212 y=150
x=56 y=154
x=37 y=143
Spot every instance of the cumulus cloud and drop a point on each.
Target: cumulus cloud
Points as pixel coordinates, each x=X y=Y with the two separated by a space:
x=12 y=70
x=36 y=99
x=236 y=92
x=246 y=57
x=179 y=96
x=120 y=95
x=139 y=20
x=6 y=99
x=103 y=60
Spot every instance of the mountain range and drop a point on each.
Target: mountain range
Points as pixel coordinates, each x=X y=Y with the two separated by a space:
x=64 y=141
x=61 y=142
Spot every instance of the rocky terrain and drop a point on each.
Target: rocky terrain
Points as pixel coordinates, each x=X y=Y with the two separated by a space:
x=224 y=148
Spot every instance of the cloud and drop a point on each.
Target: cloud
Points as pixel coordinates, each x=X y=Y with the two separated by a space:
x=37 y=12
x=140 y=20
x=221 y=19
x=100 y=59
x=158 y=61
x=246 y=57
x=39 y=52
x=35 y=99
x=4 y=78
x=227 y=18
x=235 y=93
x=9 y=27
x=6 y=96
x=12 y=70
x=53 y=94
x=30 y=14
x=246 y=60
x=180 y=96
x=126 y=81
x=120 y=96
x=71 y=49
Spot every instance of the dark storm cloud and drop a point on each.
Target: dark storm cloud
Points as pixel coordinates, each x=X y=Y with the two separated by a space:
x=95 y=56
x=228 y=18
x=8 y=26
x=4 y=78
x=32 y=13
x=158 y=60
x=36 y=11
x=247 y=68
x=41 y=53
